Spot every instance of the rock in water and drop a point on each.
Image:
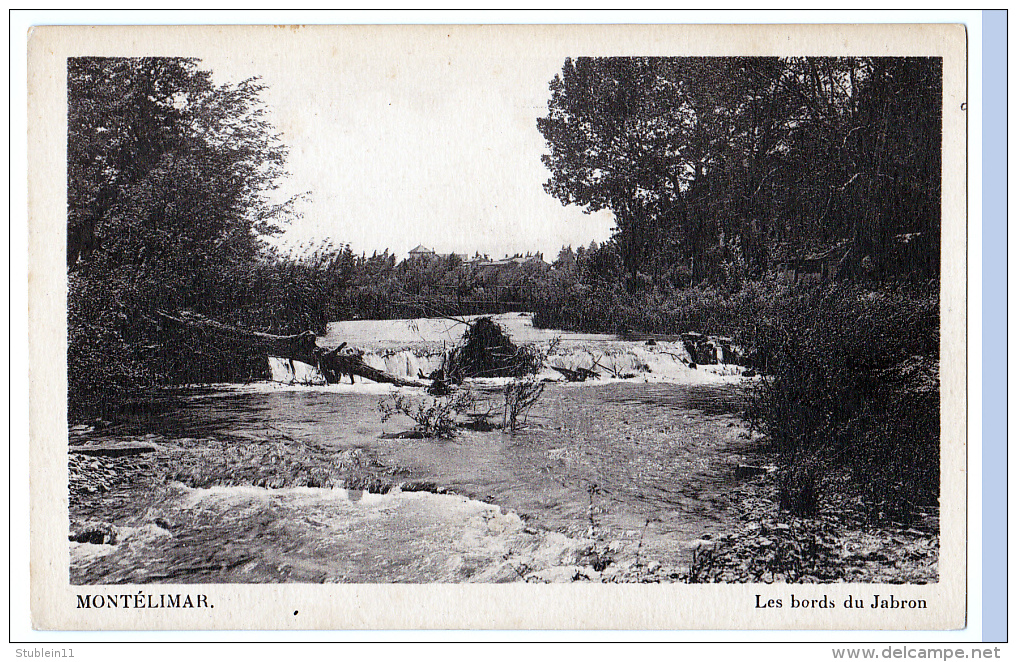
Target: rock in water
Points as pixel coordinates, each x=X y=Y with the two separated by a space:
x=96 y=533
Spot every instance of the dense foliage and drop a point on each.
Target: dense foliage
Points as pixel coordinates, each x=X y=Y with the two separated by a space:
x=853 y=385
x=169 y=181
x=718 y=164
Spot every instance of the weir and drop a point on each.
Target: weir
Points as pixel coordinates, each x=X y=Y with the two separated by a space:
x=621 y=359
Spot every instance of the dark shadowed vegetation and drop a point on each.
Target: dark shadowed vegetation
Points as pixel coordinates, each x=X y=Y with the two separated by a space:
x=169 y=182
x=487 y=351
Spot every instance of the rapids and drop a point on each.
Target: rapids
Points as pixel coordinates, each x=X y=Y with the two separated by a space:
x=409 y=348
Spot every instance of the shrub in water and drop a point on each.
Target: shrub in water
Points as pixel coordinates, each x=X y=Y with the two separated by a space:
x=520 y=396
x=487 y=351
x=435 y=417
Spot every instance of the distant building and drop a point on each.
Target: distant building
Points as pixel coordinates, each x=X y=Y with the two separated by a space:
x=421 y=252
x=491 y=271
x=505 y=265
x=482 y=263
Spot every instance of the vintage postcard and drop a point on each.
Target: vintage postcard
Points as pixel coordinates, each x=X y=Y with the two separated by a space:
x=498 y=327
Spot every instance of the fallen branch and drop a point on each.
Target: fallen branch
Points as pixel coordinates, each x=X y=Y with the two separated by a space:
x=297 y=347
x=580 y=375
x=596 y=363
x=333 y=364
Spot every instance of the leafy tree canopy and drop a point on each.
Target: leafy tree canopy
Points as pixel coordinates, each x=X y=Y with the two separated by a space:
x=165 y=167
x=712 y=160
x=169 y=189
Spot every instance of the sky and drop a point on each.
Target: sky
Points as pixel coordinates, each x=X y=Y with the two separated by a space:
x=403 y=142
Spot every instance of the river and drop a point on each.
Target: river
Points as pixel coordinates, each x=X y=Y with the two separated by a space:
x=639 y=472
x=603 y=478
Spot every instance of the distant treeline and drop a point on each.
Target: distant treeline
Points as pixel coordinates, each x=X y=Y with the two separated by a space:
x=309 y=287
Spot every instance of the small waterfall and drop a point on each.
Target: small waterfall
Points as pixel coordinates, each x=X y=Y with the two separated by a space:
x=397 y=364
x=375 y=361
x=293 y=372
x=403 y=363
x=664 y=360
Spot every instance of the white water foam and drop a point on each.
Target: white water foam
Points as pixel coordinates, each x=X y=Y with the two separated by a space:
x=411 y=348
x=453 y=538
x=287 y=371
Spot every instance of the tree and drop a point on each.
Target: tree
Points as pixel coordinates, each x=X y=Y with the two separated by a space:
x=162 y=162
x=611 y=141
x=708 y=162
x=646 y=137
x=169 y=181
x=897 y=191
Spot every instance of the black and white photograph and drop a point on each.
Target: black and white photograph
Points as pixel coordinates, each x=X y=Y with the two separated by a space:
x=424 y=306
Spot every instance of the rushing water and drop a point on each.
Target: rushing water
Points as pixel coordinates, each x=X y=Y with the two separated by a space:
x=647 y=466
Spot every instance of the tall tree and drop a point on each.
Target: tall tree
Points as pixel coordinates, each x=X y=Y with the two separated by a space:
x=642 y=137
x=162 y=162
x=706 y=161
x=169 y=181
x=606 y=149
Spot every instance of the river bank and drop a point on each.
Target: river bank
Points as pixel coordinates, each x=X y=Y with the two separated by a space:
x=839 y=544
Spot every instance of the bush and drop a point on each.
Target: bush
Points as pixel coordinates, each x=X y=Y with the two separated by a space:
x=520 y=396
x=487 y=351
x=435 y=417
x=853 y=385
x=660 y=309
x=104 y=347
